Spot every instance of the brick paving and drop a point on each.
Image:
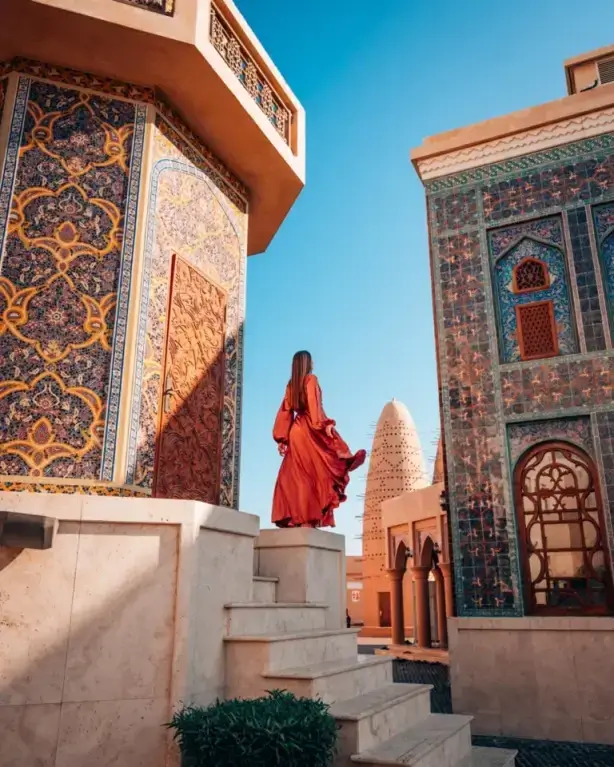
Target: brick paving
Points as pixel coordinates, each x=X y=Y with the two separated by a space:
x=531 y=753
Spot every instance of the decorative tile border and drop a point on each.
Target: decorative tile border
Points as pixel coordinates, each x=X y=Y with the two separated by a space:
x=531 y=141
x=554 y=157
x=123 y=298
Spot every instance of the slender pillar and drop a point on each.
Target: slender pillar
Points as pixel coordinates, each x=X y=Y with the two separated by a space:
x=442 y=620
x=396 y=603
x=421 y=620
x=446 y=569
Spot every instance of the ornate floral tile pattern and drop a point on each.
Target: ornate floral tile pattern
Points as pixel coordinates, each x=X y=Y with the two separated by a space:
x=62 y=489
x=493 y=409
x=69 y=180
x=190 y=216
x=522 y=436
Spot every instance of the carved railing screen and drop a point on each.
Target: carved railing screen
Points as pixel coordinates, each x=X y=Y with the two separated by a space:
x=159 y=6
x=238 y=59
x=561 y=529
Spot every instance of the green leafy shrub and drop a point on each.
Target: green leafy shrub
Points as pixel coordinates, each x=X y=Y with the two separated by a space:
x=279 y=729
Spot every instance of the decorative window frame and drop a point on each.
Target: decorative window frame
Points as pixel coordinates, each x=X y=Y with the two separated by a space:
x=522 y=291
x=527 y=583
x=523 y=355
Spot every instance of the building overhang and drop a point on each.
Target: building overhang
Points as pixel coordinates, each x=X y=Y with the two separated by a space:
x=572 y=118
x=175 y=54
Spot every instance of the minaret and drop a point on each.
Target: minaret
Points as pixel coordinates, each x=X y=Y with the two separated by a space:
x=396 y=466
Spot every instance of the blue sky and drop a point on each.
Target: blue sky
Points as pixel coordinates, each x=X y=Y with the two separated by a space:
x=347 y=276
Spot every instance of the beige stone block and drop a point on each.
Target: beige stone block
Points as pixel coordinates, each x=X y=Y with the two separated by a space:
x=118 y=733
x=121 y=638
x=593 y=654
x=306 y=562
x=555 y=676
x=484 y=724
x=29 y=735
x=557 y=728
x=594 y=731
x=223 y=575
x=64 y=506
x=36 y=592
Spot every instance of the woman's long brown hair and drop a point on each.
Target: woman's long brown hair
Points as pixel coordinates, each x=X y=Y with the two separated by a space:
x=302 y=365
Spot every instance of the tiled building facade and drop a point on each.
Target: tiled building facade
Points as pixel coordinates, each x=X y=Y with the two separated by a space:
x=523 y=267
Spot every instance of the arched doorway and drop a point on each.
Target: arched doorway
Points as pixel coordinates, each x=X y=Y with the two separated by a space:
x=566 y=567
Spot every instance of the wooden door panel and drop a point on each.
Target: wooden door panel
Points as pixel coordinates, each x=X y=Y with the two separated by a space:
x=189 y=444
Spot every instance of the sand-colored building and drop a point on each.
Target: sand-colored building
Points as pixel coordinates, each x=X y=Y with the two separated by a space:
x=355 y=589
x=521 y=222
x=396 y=466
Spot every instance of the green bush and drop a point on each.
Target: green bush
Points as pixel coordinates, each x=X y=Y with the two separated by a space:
x=279 y=729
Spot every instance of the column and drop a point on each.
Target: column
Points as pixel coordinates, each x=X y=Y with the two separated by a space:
x=446 y=569
x=442 y=621
x=422 y=624
x=396 y=604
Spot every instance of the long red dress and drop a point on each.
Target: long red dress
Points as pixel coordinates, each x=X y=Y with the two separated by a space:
x=315 y=470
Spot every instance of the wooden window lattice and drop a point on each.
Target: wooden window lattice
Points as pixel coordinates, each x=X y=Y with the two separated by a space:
x=560 y=519
x=529 y=275
x=537 y=330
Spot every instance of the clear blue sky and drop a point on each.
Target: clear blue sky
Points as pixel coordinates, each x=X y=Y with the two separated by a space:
x=347 y=276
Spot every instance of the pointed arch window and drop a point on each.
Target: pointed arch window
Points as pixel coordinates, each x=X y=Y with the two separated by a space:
x=529 y=275
x=561 y=530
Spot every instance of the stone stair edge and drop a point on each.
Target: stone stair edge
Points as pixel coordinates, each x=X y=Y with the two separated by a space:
x=308 y=634
x=397 y=693
x=422 y=739
x=328 y=668
x=265 y=578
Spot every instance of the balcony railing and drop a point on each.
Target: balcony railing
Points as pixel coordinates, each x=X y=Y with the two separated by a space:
x=255 y=83
x=159 y=6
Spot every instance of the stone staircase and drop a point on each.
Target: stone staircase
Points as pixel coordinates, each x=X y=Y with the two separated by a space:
x=289 y=645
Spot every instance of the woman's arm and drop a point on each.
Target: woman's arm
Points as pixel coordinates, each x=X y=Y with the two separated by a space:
x=315 y=410
x=283 y=421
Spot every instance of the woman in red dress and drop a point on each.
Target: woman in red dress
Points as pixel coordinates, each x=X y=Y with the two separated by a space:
x=316 y=462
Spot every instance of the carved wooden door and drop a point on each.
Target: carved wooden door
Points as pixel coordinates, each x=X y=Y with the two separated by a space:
x=189 y=443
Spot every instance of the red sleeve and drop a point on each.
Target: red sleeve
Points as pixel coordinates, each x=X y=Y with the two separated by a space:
x=283 y=420
x=316 y=413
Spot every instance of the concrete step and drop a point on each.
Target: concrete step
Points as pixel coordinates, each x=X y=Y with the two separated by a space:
x=304 y=648
x=368 y=720
x=489 y=757
x=264 y=589
x=274 y=618
x=440 y=740
x=333 y=680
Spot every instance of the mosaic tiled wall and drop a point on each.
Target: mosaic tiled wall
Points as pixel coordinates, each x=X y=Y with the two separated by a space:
x=194 y=213
x=551 y=198
x=67 y=215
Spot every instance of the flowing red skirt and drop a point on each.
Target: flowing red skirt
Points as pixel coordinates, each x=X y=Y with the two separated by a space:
x=313 y=477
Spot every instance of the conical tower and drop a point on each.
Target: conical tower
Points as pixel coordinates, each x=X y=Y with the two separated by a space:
x=395 y=467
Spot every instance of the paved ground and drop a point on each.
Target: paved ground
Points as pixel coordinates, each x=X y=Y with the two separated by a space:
x=531 y=753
